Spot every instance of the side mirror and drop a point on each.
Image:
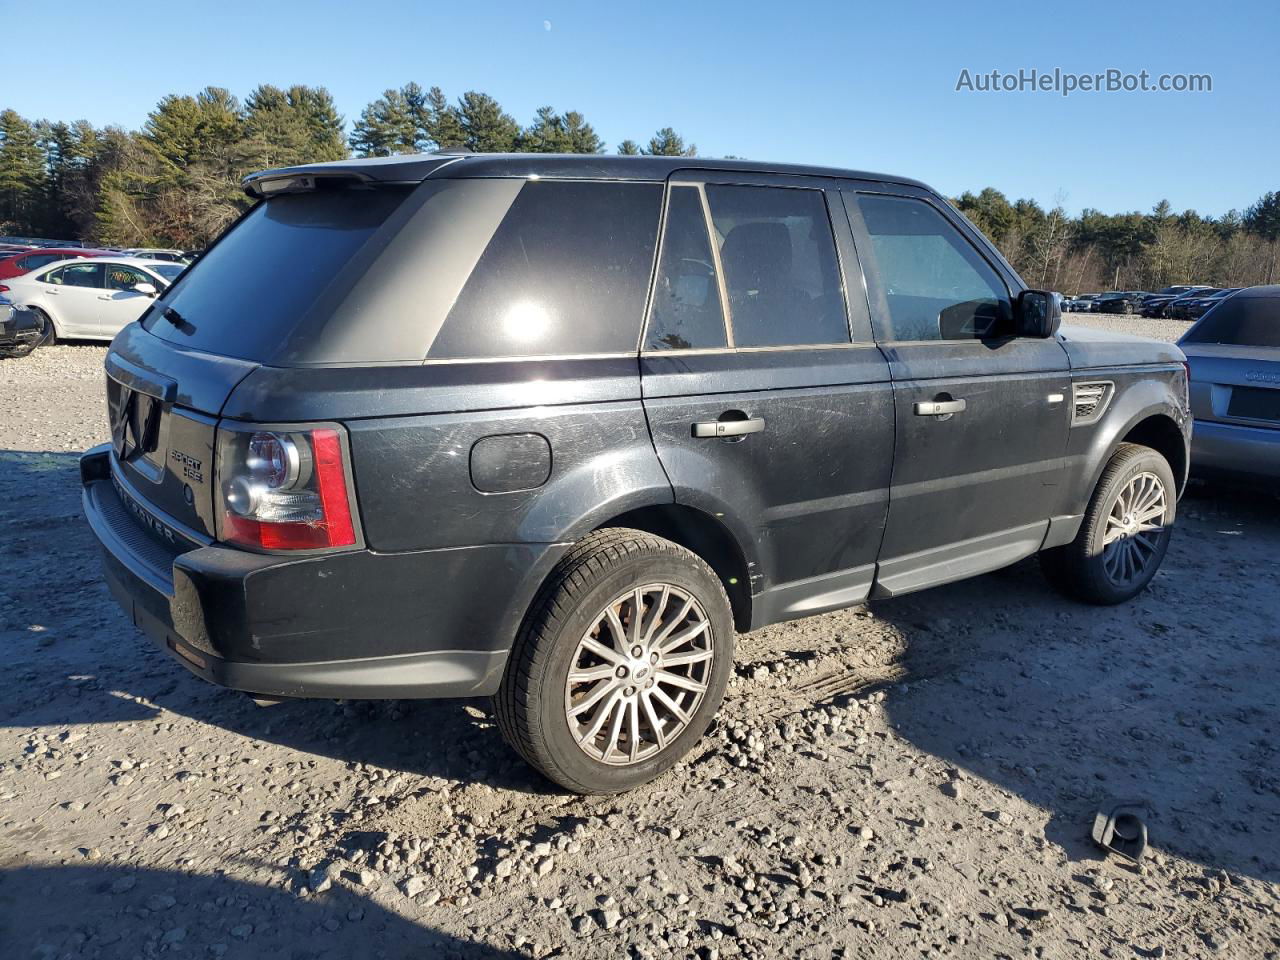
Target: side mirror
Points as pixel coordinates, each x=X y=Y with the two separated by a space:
x=145 y=288
x=1038 y=313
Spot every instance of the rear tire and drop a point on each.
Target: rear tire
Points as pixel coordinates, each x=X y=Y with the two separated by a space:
x=1125 y=533
x=628 y=716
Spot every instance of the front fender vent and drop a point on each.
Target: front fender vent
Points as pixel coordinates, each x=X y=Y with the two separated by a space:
x=1089 y=401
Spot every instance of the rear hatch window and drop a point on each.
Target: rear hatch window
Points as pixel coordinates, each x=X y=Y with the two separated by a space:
x=450 y=269
x=1243 y=321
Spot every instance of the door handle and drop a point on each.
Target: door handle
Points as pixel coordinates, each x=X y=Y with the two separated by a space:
x=728 y=428
x=939 y=408
x=101 y=297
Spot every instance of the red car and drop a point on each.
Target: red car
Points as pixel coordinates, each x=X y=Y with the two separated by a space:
x=16 y=264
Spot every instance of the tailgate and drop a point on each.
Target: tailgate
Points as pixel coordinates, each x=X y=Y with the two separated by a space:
x=1235 y=384
x=163 y=404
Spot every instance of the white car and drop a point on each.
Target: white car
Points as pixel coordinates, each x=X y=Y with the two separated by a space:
x=91 y=299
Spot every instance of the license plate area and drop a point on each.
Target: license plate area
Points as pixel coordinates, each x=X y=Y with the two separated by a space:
x=1254 y=403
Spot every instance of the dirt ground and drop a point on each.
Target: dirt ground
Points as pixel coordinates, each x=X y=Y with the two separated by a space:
x=914 y=778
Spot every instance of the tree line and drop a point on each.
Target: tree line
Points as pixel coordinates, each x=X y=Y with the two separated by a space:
x=176 y=182
x=1098 y=251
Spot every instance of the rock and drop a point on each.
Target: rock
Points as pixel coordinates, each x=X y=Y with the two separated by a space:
x=415 y=886
x=124 y=884
x=367 y=878
x=610 y=917
x=545 y=866
x=176 y=935
x=160 y=901
x=244 y=930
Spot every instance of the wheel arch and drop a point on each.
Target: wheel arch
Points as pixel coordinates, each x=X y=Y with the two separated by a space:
x=704 y=535
x=1161 y=433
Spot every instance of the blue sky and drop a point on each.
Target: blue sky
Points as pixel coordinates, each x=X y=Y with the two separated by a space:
x=843 y=83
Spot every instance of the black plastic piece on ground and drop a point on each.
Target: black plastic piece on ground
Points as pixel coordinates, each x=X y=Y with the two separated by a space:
x=1123 y=830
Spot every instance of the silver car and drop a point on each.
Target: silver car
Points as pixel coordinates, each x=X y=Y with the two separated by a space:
x=1234 y=356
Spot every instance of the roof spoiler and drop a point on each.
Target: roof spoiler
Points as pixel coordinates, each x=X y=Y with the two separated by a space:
x=400 y=169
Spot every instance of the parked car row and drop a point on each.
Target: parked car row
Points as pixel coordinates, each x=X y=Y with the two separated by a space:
x=1178 y=302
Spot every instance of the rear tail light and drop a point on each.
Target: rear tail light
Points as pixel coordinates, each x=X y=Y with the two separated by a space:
x=3 y=288
x=284 y=489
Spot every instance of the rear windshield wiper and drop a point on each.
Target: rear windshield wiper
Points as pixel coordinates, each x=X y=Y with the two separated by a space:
x=173 y=316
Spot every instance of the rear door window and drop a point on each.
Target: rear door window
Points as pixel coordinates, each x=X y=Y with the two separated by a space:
x=936 y=285
x=780 y=267
x=78 y=275
x=686 y=312
x=565 y=273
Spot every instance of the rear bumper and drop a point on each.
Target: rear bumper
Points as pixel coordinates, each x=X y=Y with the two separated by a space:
x=356 y=624
x=1229 y=449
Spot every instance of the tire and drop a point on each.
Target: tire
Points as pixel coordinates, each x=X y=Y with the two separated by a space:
x=1090 y=570
x=604 y=573
x=50 y=332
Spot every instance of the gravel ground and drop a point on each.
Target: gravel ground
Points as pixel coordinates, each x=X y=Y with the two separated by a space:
x=914 y=778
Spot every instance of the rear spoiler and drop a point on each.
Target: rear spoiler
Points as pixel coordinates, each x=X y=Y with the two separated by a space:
x=374 y=171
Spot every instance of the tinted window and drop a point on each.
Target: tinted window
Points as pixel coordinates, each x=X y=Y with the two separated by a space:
x=120 y=277
x=77 y=275
x=566 y=272
x=251 y=290
x=936 y=285
x=780 y=267
x=686 y=311
x=1243 y=320
x=39 y=260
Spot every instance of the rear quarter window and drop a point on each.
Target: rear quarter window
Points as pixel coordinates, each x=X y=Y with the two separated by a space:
x=565 y=273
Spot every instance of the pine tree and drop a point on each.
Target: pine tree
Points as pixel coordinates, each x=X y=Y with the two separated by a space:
x=667 y=143
x=546 y=134
x=580 y=135
x=444 y=128
x=22 y=174
x=389 y=125
x=323 y=122
x=279 y=134
x=628 y=148
x=1263 y=217
x=486 y=129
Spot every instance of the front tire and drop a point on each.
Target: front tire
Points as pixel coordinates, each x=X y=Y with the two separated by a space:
x=620 y=665
x=1125 y=533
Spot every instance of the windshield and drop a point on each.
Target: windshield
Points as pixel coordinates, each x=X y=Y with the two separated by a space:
x=1243 y=321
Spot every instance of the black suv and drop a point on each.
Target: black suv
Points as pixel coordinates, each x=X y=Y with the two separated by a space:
x=553 y=429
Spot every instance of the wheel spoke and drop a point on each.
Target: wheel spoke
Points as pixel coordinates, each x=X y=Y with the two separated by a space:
x=655 y=617
x=602 y=716
x=592 y=699
x=603 y=652
x=633 y=734
x=670 y=704
x=591 y=674
x=654 y=723
x=681 y=659
x=637 y=614
x=676 y=680
x=683 y=637
x=619 y=714
x=679 y=619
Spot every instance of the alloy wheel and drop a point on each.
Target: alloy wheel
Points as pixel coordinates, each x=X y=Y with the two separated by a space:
x=638 y=674
x=1131 y=540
